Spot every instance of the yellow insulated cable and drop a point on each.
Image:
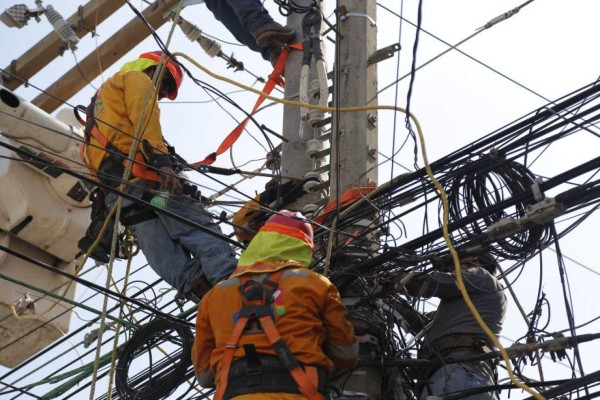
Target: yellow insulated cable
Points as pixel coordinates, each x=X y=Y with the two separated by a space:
x=290 y=102
x=459 y=278
x=439 y=188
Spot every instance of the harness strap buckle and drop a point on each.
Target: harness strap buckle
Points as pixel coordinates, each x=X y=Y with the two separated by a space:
x=254 y=369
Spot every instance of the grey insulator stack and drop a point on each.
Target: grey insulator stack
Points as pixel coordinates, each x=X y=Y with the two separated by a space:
x=64 y=30
x=192 y=32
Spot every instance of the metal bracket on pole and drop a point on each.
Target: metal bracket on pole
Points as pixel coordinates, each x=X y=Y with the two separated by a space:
x=345 y=15
x=384 y=53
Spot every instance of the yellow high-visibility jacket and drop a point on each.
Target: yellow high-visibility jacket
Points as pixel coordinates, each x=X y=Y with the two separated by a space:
x=118 y=107
x=308 y=312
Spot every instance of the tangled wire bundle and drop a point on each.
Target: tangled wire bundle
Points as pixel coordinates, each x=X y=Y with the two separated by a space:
x=481 y=185
x=162 y=377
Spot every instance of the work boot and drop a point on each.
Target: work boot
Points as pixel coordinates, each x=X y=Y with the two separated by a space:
x=200 y=287
x=273 y=33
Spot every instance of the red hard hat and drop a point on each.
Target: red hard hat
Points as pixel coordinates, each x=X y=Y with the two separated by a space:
x=172 y=66
x=292 y=219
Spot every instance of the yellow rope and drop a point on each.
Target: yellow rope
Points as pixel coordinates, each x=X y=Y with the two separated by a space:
x=139 y=132
x=290 y=102
x=113 y=358
x=459 y=278
x=86 y=257
x=437 y=185
x=538 y=357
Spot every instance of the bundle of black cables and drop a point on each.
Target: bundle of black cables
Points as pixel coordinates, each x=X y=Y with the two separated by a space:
x=162 y=378
x=287 y=7
x=479 y=186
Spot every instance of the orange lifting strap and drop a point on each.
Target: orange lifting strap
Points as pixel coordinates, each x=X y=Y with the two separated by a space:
x=274 y=79
x=348 y=197
x=307 y=381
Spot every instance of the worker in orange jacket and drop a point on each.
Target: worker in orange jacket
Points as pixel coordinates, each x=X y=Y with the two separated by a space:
x=270 y=296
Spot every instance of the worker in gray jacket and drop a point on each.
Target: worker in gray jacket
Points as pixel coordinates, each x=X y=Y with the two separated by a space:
x=454 y=334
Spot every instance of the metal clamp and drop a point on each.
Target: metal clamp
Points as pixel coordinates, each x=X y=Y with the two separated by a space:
x=25 y=304
x=384 y=53
x=538 y=194
x=544 y=211
x=504 y=228
x=367 y=338
x=344 y=15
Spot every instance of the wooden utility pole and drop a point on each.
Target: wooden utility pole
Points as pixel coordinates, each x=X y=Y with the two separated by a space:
x=86 y=19
x=108 y=53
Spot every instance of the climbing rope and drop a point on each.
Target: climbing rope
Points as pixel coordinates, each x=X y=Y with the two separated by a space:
x=139 y=132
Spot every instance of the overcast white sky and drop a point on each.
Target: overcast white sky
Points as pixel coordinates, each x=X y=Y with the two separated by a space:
x=547 y=47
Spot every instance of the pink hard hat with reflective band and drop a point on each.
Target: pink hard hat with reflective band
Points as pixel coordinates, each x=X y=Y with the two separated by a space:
x=292 y=219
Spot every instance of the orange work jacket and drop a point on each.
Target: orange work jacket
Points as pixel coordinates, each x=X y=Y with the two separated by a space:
x=308 y=312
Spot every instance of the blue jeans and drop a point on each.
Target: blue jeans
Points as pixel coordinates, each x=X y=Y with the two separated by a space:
x=241 y=18
x=453 y=378
x=176 y=251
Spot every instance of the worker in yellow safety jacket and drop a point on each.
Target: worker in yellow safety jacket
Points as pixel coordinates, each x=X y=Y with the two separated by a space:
x=188 y=259
x=119 y=106
x=274 y=329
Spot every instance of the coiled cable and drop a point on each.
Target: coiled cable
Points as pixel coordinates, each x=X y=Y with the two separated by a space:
x=164 y=376
x=483 y=183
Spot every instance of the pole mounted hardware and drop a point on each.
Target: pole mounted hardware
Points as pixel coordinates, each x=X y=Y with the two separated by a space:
x=384 y=53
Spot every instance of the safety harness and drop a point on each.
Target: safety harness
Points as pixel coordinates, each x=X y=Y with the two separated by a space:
x=116 y=156
x=113 y=166
x=451 y=346
x=257 y=298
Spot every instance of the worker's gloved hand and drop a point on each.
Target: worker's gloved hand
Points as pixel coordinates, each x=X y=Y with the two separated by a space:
x=168 y=180
x=273 y=33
